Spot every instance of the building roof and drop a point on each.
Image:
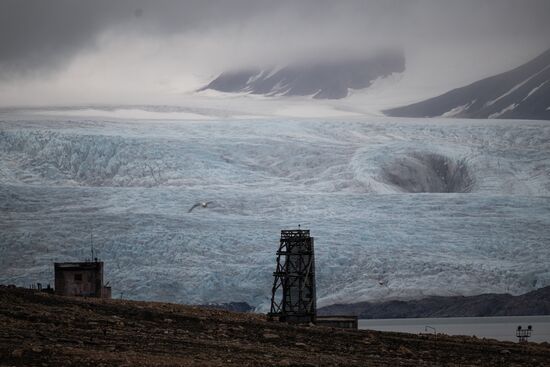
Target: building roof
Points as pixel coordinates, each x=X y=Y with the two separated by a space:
x=87 y=265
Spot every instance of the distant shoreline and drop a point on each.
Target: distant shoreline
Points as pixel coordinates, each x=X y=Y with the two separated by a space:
x=534 y=303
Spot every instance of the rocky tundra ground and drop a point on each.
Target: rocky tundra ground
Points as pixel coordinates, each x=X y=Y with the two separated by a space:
x=38 y=329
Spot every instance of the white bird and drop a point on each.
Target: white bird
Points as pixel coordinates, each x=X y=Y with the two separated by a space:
x=203 y=204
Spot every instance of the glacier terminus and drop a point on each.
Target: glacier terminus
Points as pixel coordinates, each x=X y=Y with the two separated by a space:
x=400 y=207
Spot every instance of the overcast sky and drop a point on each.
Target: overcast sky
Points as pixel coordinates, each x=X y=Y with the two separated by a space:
x=80 y=50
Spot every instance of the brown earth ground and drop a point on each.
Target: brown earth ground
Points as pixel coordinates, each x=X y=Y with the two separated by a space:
x=38 y=329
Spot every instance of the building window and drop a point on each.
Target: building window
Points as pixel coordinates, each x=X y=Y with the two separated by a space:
x=78 y=277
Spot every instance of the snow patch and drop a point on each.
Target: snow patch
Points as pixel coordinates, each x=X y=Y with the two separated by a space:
x=256 y=77
x=273 y=71
x=503 y=111
x=490 y=103
x=534 y=90
x=458 y=110
x=279 y=89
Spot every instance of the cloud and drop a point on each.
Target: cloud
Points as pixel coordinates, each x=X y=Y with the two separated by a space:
x=167 y=44
x=41 y=36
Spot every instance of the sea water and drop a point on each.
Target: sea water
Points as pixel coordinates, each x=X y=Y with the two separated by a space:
x=500 y=328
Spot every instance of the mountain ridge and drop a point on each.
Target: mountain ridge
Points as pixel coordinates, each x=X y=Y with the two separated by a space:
x=536 y=302
x=321 y=80
x=520 y=93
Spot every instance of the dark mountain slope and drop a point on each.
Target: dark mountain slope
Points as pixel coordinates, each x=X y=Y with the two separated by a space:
x=532 y=303
x=521 y=93
x=322 y=80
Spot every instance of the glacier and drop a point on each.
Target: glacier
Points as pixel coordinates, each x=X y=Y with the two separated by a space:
x=399 y=208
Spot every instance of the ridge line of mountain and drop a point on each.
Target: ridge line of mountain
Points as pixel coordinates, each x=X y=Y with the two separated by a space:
x=520 y=93
x=536 y=302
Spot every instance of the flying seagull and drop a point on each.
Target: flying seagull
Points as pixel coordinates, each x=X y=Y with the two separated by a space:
x=203 y=204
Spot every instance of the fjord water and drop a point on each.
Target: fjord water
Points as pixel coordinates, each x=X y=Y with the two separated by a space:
x=387 y=223
x=500 y=328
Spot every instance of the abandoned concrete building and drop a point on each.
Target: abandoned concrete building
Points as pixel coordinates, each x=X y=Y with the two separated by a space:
x=83 y=279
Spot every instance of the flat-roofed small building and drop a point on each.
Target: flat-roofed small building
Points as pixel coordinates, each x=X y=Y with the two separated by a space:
x=84 y=279
x=343 y=322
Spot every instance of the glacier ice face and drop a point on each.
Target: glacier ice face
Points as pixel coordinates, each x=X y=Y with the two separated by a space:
x=132 y=182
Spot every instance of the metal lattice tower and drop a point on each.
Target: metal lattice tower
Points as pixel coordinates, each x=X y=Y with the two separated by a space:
x=524 y=334
x=293 y=293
